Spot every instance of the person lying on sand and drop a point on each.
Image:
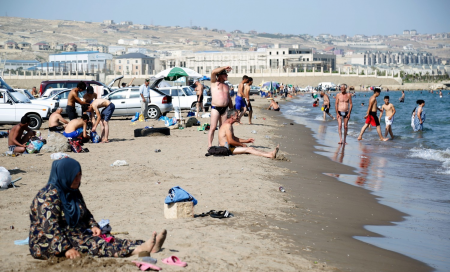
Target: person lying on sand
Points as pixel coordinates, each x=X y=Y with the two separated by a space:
x=62 y=225
x=273 y=105
x=236 y=145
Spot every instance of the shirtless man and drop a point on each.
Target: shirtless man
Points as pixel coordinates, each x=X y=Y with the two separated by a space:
x=76 y=127
x=220 y=99
x=104 y=117
x=326 y=105
x=73 y=98
x=371 y=115
x=89 y=97
x=273 y=105
x=389 y=118
x=402 y=99
x=56 y=120
x=199 y=91
x=344 y=106
x=247 y=99
x=16 y=139
x=239 y=100
x=236 y=145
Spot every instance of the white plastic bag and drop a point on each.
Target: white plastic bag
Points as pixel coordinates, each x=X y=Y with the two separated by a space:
x=120 y=163
x=5 y=178
x=58 y=156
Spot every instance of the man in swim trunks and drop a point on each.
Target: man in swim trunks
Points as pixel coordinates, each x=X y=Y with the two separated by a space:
x=402 y=99
x=199 y=92
x=104 y=116
x=273 y=105
x=371 y=115
x=247 y=99
x=56 y=122
x=73 y=98
x=220 y=99
x=16 y=139
x=344 y=106
x=236 y=145
x=326 y=105
x=239 y=100
x=76 y=127
x=389 y=118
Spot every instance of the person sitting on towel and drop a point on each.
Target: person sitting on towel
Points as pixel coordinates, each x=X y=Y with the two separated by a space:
x=77 y=127
x=56 y=122
x=236 y=145
x=62 y=226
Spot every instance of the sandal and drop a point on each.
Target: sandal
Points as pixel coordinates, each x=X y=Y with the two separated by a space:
x=146 y=266
x=221 y=214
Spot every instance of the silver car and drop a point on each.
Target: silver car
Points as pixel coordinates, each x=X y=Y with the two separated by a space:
x=61 y=97
x=127 y=102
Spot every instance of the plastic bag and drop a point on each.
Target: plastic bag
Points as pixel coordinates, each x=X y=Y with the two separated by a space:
x=168 y=121
x=95 y=138
x=136 y=117
x=141 y=118
x=58 y=156
x=5 y=178
x=120 y=163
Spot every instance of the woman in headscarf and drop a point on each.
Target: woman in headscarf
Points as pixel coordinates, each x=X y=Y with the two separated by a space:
x=61 y=224
x=418 y=116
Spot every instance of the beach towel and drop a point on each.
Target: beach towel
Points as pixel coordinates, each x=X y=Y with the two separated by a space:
x=177 y=194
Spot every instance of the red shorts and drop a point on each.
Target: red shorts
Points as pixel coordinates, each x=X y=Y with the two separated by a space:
x=372 y=119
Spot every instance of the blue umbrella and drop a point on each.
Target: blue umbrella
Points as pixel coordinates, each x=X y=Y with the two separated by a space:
x=272 y=85
x=205 y=78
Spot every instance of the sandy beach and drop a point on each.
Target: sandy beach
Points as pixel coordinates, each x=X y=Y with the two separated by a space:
x=308 y=228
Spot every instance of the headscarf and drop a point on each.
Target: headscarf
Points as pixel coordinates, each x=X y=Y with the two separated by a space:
x=61 y=176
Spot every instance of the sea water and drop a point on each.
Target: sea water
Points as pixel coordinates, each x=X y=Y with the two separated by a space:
x=410 y=173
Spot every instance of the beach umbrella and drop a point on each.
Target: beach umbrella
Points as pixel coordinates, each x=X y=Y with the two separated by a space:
x=205 y=78
x=177 y=72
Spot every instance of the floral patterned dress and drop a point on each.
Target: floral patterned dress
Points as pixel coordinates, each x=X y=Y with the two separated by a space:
x=50 y=235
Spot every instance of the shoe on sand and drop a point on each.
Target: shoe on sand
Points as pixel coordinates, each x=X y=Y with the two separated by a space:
x=174 y=260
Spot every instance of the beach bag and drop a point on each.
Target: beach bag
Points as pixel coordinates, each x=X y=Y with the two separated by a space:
x=5 y=178
x=34 y=146
x=177 y=194
x=136 y=117
x=75 y=146
x=218 y=151
x=95 y=138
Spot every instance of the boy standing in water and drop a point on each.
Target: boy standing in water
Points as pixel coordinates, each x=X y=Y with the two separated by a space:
x=389 y=118
x=371 y=115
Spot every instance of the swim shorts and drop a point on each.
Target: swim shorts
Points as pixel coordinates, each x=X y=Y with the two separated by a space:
x=326 y=109
x=57 y=128
x=11 y=148
x=72 y=112
x=387 y=121
x=240 y=103
x=73 y=134
x=372 y=119
x=108 y=112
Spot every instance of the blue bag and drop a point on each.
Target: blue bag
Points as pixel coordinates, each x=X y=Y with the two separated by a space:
x=176 y=194
x=95 y=138
x=136 y=117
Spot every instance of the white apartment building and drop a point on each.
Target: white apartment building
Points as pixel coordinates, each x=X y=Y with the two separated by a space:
x=87 y=61
x=251 y=61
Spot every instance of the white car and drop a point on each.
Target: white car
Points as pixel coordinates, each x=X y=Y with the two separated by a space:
x=61 y=98
x=185 y=97
x=54 y=105
x=12 y=110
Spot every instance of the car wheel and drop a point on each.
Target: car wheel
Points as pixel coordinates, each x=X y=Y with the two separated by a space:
x=35 y=121
x=153 y=112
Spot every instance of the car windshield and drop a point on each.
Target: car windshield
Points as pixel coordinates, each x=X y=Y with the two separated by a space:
x=189 y=90
x=19 y=97
x=28 y=94
x=3 y=85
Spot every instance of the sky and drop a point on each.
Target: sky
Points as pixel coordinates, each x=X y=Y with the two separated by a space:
x=337 y=17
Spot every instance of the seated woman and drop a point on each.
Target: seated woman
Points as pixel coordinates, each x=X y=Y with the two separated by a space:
x=61 y=224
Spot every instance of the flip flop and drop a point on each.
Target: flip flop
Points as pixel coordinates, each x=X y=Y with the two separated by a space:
x=221 y=214
x=146 y=266
x=206 y=214
x=174 y=260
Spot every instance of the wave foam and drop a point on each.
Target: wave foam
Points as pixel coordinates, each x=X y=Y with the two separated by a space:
x=433 y=155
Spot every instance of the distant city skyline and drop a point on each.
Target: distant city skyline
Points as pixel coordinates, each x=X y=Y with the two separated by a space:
x=347 y=17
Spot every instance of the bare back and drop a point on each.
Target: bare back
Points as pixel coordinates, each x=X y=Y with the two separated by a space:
x=56 y=119
x=343 y=101
x=219 y=94
x=89 y=97
x=373 y=103
x=100 y=103
x=74 y=125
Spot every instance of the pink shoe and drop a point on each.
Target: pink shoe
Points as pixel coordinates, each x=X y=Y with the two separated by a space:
x=146 y=266
x=174 y=260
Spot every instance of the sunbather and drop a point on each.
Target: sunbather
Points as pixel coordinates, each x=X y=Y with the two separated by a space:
x=236 y=145
x=61 y=224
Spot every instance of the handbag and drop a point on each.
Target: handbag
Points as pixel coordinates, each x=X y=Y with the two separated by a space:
x=177 y=194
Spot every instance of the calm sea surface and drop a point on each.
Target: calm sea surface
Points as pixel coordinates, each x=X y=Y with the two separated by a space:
x=410 y=173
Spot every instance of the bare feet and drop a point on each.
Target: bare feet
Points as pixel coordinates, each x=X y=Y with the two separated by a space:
x=159 y=241
x=147 y=246
x=384 y=139
x=275 y=152
x=359 y=138
x=340 y=142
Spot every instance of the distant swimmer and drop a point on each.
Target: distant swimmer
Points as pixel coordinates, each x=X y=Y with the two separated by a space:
x=326 y=105
x=371 y=115
x=316 y=103
x=440 y=94
x=402 y=99
x=344 y=106
x=418 y=116
x=389 y=117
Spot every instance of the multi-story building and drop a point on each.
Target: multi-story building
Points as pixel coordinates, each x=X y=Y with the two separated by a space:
x=108 y=22
x=134 y=64
x=16 y=64
x=83 y=61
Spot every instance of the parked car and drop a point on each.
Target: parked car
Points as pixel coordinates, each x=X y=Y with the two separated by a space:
x=254 y=90
x=51 y=103
x=185 y=97
x=127 y=102
x=49 y=86
x=12 y=110
x=61 y=97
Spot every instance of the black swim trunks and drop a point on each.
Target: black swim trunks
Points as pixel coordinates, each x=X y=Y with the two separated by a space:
x=277 y=109
x=57 y=128
x=221 y=110
x=72 y=112
x=201 y=98
x=326 y=109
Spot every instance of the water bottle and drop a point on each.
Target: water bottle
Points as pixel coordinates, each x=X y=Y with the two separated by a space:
x=282 y=189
